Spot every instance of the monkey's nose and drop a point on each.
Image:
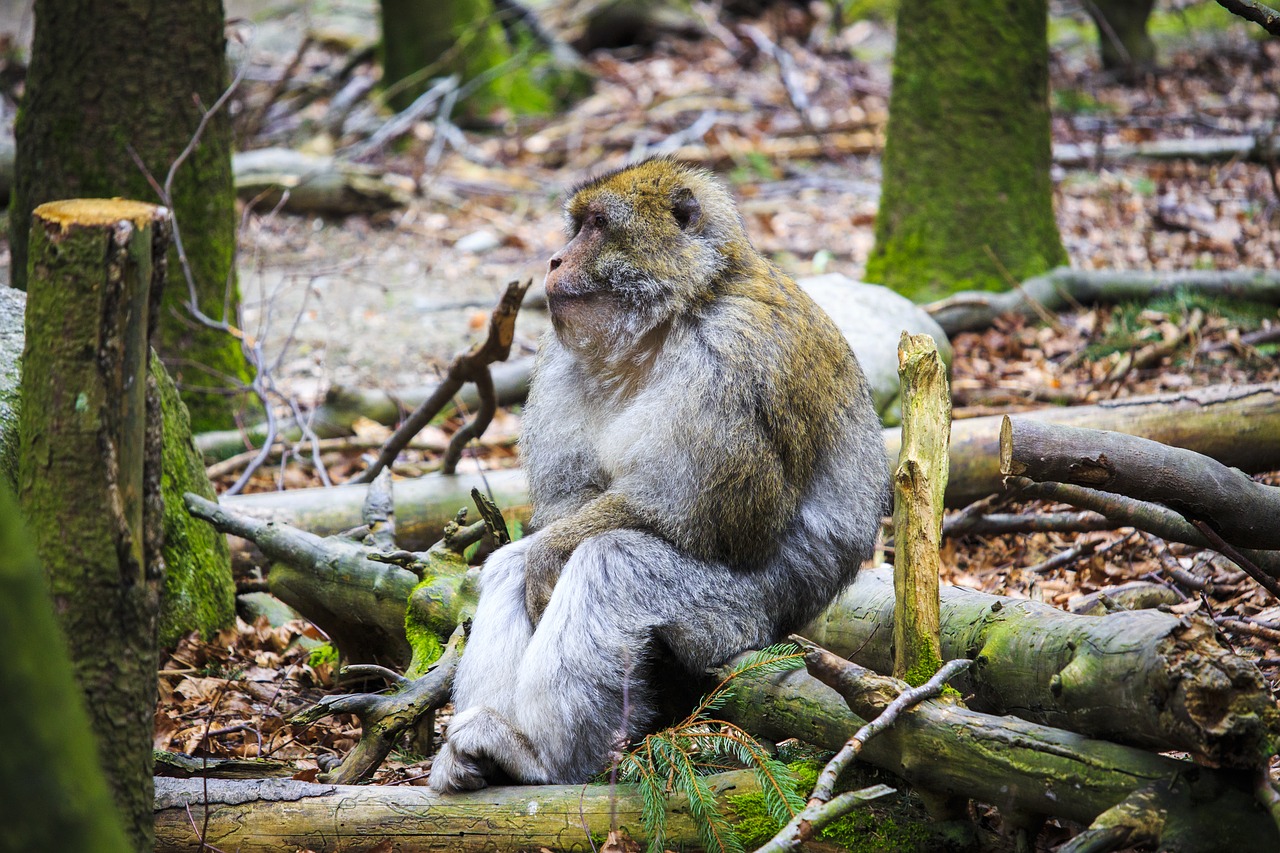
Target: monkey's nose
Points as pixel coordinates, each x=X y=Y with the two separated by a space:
x=553 y=264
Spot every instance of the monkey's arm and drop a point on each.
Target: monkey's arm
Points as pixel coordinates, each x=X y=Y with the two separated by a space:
x=556 y=542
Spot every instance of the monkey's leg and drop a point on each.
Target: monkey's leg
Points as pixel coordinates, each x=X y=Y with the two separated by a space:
x=482 y=686
x=584 y=683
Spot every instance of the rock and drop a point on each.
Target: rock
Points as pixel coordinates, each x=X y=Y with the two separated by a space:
x=478 y=242
x=251 y=605
x=872 y=318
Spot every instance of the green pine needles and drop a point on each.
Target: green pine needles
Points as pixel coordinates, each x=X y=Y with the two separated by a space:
x=677 y=761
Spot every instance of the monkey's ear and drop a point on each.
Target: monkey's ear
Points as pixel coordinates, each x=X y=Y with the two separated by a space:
x=685 y=208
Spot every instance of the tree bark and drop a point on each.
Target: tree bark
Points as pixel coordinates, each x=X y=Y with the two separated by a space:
x=89 y=467
x=1144 y=678
x=199 y=592
x=52 y=792
x=1242 y=511
x=967 y=200
x=108 y=77
x=919 y=482
x=261 y=816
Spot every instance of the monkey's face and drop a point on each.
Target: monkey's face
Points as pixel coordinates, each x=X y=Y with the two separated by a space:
x=641 y=250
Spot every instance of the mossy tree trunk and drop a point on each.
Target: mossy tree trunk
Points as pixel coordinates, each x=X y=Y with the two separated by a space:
x=199 y=592
x=967 y=201
x=89 y=466
x=52 y=794
x=1124 y=44
x=483 y=43
x=112 y=76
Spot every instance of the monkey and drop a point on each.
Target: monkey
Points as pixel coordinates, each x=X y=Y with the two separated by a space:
x=706 y=471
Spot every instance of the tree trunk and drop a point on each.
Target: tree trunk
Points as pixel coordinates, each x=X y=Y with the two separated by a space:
x=967 y=201
x=474 y=40
x=89 y=466
x=108 y=77
x=199 y=591
x=52 y=792
x=1123 y=42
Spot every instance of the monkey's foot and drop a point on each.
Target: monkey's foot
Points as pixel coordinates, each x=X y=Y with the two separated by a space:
x=452 y=772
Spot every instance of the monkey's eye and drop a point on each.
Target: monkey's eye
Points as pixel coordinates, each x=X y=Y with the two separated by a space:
x=597 y=220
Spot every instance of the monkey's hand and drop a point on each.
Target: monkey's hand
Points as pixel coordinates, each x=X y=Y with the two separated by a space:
x=543 y=563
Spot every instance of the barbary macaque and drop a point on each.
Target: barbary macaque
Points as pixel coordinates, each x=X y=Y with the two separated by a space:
x=706 y=471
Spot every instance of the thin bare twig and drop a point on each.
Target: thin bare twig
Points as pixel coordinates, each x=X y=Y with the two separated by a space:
x=1250 y=10
x=470 y=366
x=824 y=806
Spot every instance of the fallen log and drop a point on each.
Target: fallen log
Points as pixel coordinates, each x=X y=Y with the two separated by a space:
x=1237 y=425
x=1242 y=511
x=424 y=505
x=266 y=816
x=1144 y=678
x=1262 y=149
x=311 y=183
x=342 y=407
x=1023 y=768
x=1063 y=288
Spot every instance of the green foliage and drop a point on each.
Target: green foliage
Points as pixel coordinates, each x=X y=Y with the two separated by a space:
x=883 y=11
x=326 y=653
x=1079 y=102
x=677 y=760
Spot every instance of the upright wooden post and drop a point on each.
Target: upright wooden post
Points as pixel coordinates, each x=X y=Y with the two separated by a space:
x=89 y=466
x=919 y=483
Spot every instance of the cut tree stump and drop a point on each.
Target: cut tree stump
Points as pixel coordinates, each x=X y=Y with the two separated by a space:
x=89 y=465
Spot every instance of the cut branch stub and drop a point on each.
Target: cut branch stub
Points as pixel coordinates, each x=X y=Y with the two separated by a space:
x=919 y=484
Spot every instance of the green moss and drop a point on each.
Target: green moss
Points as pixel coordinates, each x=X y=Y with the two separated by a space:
x=872 y=829
x=967 y=200
x=326 y=653
x=199 y=591
x=925 y=668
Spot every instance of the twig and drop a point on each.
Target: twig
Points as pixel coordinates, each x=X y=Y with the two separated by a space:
x=470 y=366
x=1250 y=10
x=1225 y=548
x=1065 y=558
x=823 y=807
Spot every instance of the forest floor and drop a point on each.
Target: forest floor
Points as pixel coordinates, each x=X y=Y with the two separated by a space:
x=384 y=300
